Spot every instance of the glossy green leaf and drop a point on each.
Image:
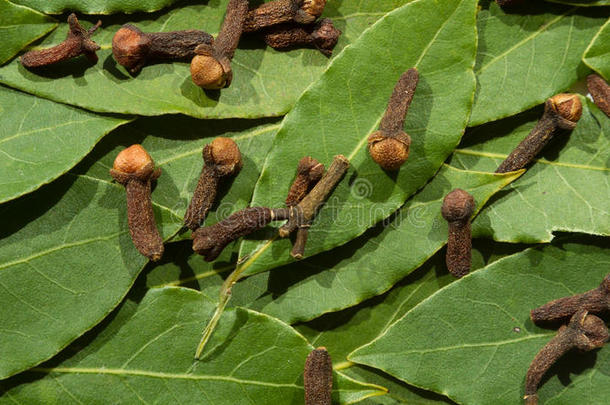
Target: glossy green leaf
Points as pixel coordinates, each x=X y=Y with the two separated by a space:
x=147 y=358
x=19 y=26
x=344 y=331
x=525 y=58
x=597 y=55
x=96 y=6
x=66 y=257
x=266 y=82
x=481 y=324
x=373 y=263
x=40 y=140
x=337 y=113
x=566 y=189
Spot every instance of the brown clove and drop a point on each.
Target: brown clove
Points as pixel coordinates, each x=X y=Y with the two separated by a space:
x=283 y=11
x=458 y=206
x=211 y=66
x=210 y=241
x=134 y=49
x=389 y=146
x=322 y=35
x=595 y=301
x=561 y=113
x=78 y=42
x=318 y=378
x=584 y=332
x=303 y=214
x=600 y=91
x=222 y=159
x=135 y=169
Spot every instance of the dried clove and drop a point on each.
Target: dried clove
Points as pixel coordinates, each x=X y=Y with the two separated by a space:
x=584 y=332
x=323 y=36
x=135 y=169
x=561 y=113
x=458 y=207
x=222 y=159
x=389 y=146
x=210 y=241
x=302 y=215
x=77 y=43
x=600 y=91
x=283 y=11
x=134 y=49
x=309 y=172
x=211 y=66
x=318 y=377
x=595 y=301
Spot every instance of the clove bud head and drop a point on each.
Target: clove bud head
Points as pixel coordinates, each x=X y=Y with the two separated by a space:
x=208 y=72
x=458 y=205
x=132 y=160
x=569 y=108
x=594 y=333
x=130 y=46
x=389 y=152
x=224 y=153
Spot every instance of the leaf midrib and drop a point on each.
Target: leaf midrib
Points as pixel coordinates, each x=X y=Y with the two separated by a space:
x=157 y=374
x=492 y=155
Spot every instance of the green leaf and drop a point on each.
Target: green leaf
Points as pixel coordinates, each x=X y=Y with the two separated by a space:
x=40 y=140
x=66 y=257
x=146 y=355
x=524 y=59
x=566 y=189
x=344 y=331
x=96 y=6
x=481 y=324
x=19 y=26
x=373 y=263
x=398 y=392
x=597 y=55
x=266 y=82
x=337 y=113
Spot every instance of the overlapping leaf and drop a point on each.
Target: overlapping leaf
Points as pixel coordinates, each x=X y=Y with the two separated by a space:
x=96 y=6
x=336 y=115
x=481 y=324
x=79 y=260
x=266 y=82
x=146 y=355
x=344 y=331
x=597 y=55
x=566 y=189
x=372 y=264
x=525 y=58
x=19 y=26
x=40 y=140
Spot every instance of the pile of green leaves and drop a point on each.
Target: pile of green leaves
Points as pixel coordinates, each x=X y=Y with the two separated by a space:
x=86 y=320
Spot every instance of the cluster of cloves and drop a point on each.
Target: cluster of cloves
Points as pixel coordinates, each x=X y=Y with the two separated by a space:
x=134 y=168
x=584 y=331
x=307 y=194
x=282 y=24
x=561 y=113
